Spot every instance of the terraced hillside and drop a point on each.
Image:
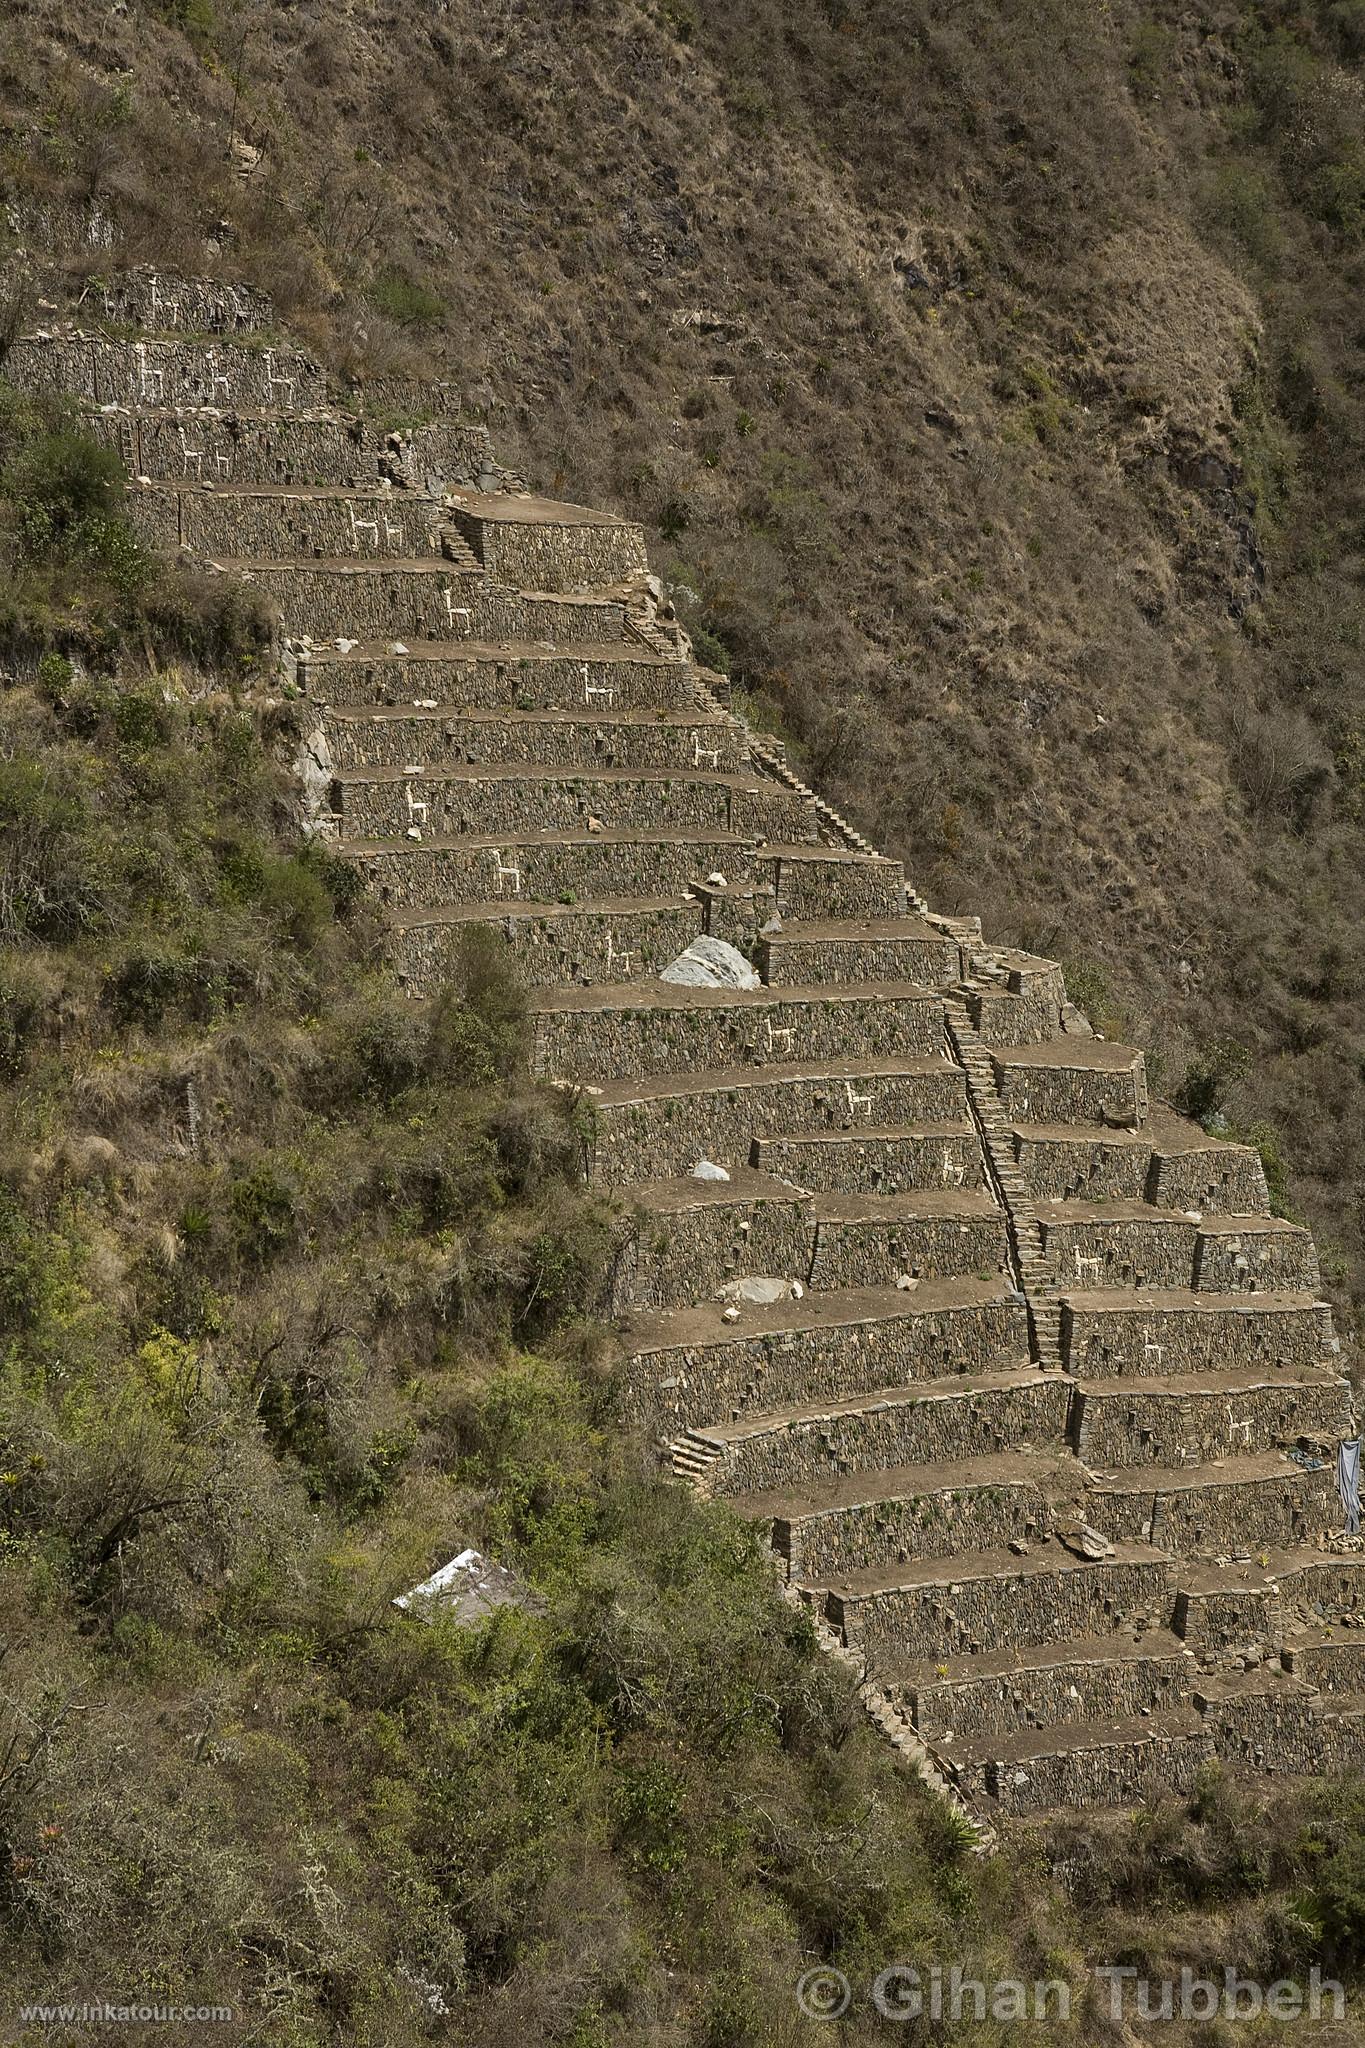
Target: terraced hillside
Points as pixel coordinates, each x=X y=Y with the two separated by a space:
x=1038 y=1400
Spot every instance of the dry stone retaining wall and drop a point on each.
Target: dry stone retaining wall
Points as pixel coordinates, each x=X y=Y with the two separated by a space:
x=889 y=1532
x=1055 y=1093
x=521 y=682
x=1100 y=1687
x=674 y=1259
x=584 y=947
x=230 y=376
x=550 y=556
x=209 y=522
x=488 y=801
x=1123 y=1771
x=1153 y=1340
x=941 y=1158
x=664 y=1134
x=660 y=1038
x=378 y=603
x=1218 y=1519
x=665 y=741
x=832 y=885
x=684 y=1383
x=875 y=1252
x=515 y=871
x=1004 y=1608
x=1142 y=1424
x=928 y=1425
x=929 y=960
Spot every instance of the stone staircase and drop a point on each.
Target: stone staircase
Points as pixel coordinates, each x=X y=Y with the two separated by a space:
x=1035 y=1401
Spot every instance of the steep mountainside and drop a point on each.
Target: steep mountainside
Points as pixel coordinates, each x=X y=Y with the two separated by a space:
x=988 y=376
x=984 y=381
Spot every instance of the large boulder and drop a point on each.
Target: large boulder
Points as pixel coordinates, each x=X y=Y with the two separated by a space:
x=711 y=963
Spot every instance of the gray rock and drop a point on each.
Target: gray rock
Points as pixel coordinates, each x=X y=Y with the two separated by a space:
x=711 y=963
x=760 y=1287
x=706 y=1169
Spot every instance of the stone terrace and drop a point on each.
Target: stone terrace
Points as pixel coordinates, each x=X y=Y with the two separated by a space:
x=1034 y=1399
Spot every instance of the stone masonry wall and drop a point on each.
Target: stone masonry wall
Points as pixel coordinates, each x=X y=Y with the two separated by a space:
x=1154 y=1339
x=1130 y=1425
x=584 y=949
x=1095 y=1688
x=517 y=871
x=377 y=603
x=885 y=1164
x=1119 y=1167
x=939 y=1422
x=529 y=682
x=1228 y=1180
x=661 y=1038
x=1331 y=1666
x=225 y=449
x=1272 y=1728
x=669 y=1133
x=929 y=961
x=1055 y=1093
x=211 y=523
x=231 y=376
x=1122 y=1772
x=690 y=1383
x=1258 y=1255
x=1084 y=1167
x=672 y=1260
x=1099 y=1251
x=874 y=1252
x=541 y=555
x=505 y=801
x=1218 y=1520
x=833 y=885
x=1026 y=1011
x=870 y=1534
x=1003 y=1609
x=664 y=741
x=196 y=305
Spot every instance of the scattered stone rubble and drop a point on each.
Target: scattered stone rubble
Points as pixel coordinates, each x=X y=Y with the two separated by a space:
x=1036 y=1401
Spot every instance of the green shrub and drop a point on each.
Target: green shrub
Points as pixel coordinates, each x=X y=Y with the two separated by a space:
x=1209 y=1078
x=264 y=1210
x=405 y=303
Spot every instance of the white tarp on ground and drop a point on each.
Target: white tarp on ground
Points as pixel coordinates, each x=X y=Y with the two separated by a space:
x=470 y=1586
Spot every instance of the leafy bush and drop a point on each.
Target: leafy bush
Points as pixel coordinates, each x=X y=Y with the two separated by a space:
x=406 y=303
x=1210 y=1076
